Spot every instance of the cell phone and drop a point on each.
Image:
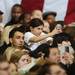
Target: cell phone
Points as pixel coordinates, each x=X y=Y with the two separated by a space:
x=58 y=26
x=67 y=49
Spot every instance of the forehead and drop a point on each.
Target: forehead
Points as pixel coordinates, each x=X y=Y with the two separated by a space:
x=17 y=33
x=53 y=49
x=24 y=56
x=37 y=12
x=41 y=26
x=55 y=68
x=50 y=16
x=16 y=9
x=46 y=23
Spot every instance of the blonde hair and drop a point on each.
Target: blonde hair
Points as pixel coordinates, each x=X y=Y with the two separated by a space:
x=17 y=55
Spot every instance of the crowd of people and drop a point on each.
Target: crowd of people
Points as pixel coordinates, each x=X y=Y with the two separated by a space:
x=36 y=44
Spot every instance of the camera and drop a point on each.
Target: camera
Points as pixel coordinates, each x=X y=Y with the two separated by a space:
x=67 y=49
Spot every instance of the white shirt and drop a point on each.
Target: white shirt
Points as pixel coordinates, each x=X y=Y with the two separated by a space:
x=28 y=36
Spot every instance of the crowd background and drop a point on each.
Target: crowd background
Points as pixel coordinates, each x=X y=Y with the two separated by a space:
x=36 y=44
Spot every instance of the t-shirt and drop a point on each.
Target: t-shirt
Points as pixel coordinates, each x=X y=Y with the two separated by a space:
x=32 y=45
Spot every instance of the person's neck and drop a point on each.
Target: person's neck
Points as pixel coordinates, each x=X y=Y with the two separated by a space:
x=18 y=47
x=34 y=34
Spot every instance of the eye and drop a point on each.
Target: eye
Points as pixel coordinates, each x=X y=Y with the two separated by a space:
x=23 y=59
x=18 y=37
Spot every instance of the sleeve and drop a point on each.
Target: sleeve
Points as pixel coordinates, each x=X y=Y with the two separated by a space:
x=27 y=37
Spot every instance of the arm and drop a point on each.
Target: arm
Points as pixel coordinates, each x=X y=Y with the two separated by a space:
x=42 y=37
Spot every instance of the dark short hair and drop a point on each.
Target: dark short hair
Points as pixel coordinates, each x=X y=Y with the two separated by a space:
x=12 y=32
x=47 y=52
x=58 y=38
x=1 y=13
x=36 y=22
x=45 y=69
x=16 y=5
x=60 y=22
x=46 y=14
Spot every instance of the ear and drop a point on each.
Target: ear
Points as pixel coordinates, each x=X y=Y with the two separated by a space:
x=10 y=40
x=16 y=63
x=46 y=58
x=31 y=28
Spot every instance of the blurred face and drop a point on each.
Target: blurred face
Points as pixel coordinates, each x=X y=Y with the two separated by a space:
x=27 y=18
x=57 y=70
x=12 y=69
x=54 y=56
x=37 y=30
x=4 y=68
x=17 y=40
x=59 y=27
x=17 y=12
x=1 y=31
x=51 y=19
x=46 y=27
x=24 y=60
x=37 y=14
x=1 y=18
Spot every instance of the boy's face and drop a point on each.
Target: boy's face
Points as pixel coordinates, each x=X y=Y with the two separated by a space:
x=18 y=39
x=54 y=55
x=37 y=30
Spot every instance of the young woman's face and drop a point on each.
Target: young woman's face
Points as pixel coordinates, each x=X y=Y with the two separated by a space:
x=37 y=30
x=24 y=60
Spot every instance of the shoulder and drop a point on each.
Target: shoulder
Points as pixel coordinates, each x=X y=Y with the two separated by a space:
x=28 y=33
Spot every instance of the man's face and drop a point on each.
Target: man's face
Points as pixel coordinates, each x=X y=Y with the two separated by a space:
x=51 y=19
x=4 y=68
x=54 y=55
x=37 y=30
x=37 y=14
x=17 y=12
x=57 y=70
x=18 y=39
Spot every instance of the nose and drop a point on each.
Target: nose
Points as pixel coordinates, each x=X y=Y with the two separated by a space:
x=40 y=30
x=21 y=40
x=58 y=57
